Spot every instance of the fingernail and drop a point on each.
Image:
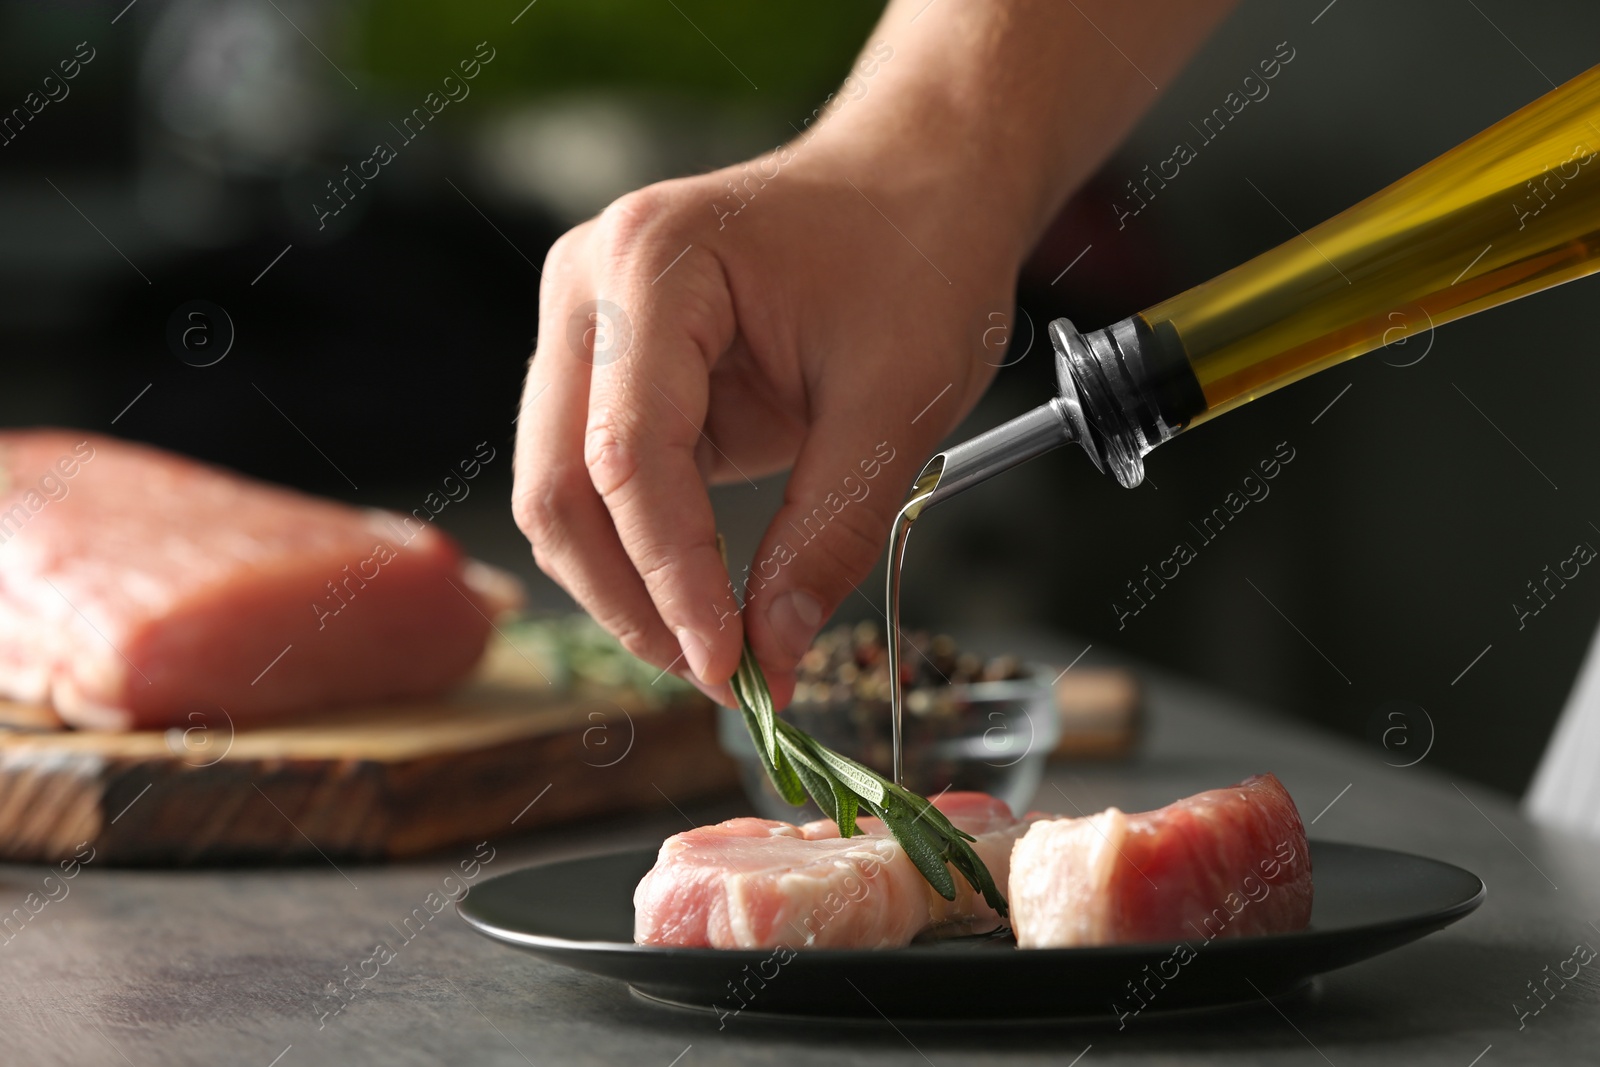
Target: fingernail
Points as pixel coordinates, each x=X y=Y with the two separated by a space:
x=695 y=651
x=794 y=618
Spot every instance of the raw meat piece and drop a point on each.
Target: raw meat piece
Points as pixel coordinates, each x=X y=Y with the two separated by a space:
x=757 y=883
x=1225 y=863
x=137 y=587
x=996 y=829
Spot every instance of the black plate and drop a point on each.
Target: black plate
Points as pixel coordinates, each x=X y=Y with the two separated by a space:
x=580 y=913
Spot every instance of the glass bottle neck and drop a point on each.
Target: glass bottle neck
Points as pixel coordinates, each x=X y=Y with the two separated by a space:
x=1133 y=387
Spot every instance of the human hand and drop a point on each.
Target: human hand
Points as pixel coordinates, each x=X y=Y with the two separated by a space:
x=833 y=324
x=823 y=307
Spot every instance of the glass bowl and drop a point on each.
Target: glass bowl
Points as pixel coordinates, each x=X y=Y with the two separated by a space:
x=986 y=737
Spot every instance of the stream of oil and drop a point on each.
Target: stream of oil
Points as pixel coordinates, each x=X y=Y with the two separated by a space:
x=916 y=500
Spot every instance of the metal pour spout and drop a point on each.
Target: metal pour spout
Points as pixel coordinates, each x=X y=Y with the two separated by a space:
x=1107 y=404
x=1044 y=428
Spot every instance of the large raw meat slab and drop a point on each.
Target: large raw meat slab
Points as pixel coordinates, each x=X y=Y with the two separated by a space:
x=138 y=588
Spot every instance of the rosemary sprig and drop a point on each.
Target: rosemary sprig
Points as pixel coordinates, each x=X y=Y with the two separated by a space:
x=799 y=765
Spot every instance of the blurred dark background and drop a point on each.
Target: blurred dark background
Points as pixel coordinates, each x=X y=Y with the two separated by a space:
x=371 y=354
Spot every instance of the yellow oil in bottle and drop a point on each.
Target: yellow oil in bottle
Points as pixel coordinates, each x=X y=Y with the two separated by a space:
x=1514 y=210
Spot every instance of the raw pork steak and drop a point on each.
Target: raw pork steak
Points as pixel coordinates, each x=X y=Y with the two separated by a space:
x=137 y=586
x=1225 y=863
x=757 y=883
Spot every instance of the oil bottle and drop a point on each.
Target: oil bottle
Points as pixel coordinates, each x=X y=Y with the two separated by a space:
x=1514 y=210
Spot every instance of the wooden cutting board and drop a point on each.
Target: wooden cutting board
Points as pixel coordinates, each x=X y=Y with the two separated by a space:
x=502 y=756
x=1102 y=713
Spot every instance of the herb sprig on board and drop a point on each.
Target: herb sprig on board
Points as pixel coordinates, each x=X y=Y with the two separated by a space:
x=799 y=765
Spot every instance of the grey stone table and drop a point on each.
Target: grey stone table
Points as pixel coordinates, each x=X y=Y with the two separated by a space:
x=232 y=966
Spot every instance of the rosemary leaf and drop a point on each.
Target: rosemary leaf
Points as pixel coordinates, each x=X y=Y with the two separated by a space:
x=869 y=786
x=837 y=802
x=930 y=814
x=808 y=767
x=812 y=774
x=921 y=844
x=750 y=688
x=848 y=805
x=821 y=789
x=782 y=774
x=977 y=875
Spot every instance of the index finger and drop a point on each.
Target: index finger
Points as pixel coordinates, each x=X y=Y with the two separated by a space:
x=646 y=415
